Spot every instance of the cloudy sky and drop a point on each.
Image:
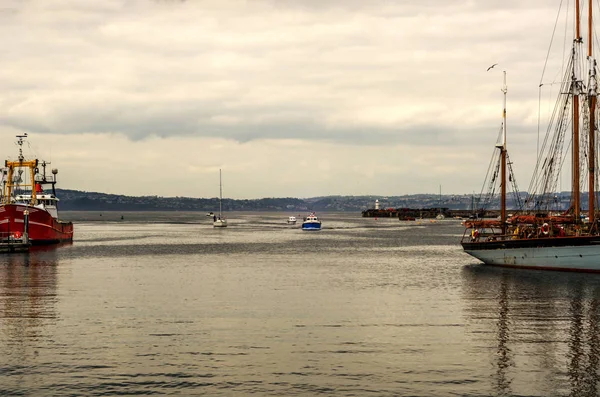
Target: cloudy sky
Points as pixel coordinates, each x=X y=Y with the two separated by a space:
x=288 y=97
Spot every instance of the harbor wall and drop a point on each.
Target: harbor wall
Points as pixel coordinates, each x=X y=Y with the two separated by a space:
x=426 y=213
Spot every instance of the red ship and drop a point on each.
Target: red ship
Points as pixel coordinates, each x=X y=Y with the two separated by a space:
x=24 y=195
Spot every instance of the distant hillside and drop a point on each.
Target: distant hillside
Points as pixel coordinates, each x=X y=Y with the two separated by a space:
x=75 y=200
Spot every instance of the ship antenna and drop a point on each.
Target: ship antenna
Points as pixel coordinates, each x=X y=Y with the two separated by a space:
x=20 y=143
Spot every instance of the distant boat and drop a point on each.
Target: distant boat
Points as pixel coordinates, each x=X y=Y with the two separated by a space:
x=440 y=216
x=406 y=218
x=210 y=214
x=311 y=222
x=291 y=220
x=220 y=221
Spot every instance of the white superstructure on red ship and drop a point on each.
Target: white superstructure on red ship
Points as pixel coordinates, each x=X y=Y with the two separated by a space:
x=24 y=185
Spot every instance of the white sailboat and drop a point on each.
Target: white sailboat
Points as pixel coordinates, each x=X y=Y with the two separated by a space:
x=220 y=221
x=440 y=215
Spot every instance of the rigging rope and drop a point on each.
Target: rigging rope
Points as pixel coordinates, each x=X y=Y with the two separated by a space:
x=550 y=45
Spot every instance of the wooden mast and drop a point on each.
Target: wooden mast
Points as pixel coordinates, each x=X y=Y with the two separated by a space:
x=503 y=161
x=592 y=133
x=575 y=92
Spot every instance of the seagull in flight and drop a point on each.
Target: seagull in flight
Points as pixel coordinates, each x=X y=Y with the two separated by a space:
x=488 y=69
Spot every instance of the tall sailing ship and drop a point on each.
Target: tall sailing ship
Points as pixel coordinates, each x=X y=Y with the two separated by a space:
x=540 y=234
x=24 y=191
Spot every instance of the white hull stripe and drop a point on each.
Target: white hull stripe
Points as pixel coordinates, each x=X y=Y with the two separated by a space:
x=570 y=257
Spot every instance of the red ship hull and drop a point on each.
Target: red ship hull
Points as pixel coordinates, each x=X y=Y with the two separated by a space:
x=43 y=228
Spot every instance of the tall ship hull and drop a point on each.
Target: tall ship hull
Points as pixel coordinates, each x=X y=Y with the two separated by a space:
x=42 y=228
x=580 y=254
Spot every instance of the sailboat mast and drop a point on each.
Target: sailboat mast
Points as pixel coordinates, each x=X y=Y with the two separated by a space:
x=220 y=193
x=575 y=93
x=592 y=134
x=503 y=161
x=590 y=10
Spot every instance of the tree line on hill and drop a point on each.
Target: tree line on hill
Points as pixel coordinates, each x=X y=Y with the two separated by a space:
x=75 y=200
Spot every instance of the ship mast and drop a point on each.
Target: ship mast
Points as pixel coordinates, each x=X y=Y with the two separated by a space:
x=503 y=161
x=575 y=93
x=592 y=141
x=11 y=183
x=220 y=193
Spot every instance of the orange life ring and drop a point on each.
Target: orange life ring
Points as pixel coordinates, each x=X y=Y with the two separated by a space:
x=17 y=235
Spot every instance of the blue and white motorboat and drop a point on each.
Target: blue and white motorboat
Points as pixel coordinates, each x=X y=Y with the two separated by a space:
x=311 y=222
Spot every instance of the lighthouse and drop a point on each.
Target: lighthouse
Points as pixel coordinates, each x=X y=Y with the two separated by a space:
x=376 y=204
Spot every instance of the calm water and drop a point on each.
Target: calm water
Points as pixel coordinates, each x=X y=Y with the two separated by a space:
x=163 y=304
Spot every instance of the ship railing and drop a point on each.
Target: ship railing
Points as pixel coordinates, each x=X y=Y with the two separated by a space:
x=46 y=179
x=483 y=236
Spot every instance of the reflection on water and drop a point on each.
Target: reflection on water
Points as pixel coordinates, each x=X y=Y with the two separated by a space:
x=366 y=307
x=545 y=323
x=28 y=285
x=584 y=344
x=505 y=360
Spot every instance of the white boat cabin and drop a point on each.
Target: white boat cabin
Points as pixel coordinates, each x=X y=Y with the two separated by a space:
x=311 y=218
x=47 y=202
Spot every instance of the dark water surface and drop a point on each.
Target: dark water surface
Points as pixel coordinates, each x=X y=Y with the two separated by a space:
x=163 y=304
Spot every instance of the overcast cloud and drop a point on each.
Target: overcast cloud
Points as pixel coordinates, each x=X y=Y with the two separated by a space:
x=289 y=98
